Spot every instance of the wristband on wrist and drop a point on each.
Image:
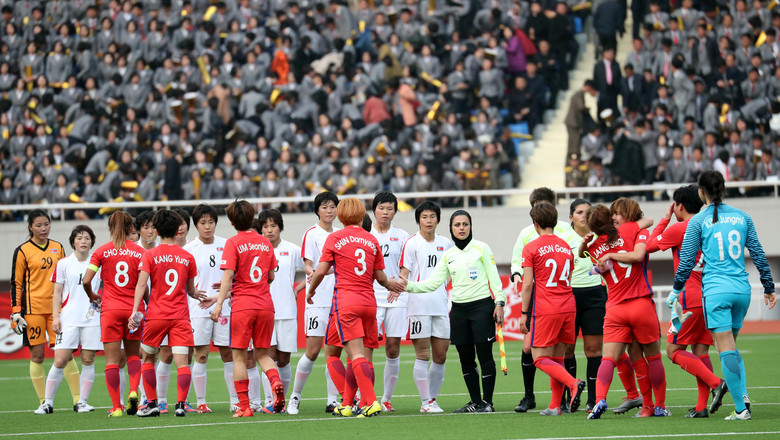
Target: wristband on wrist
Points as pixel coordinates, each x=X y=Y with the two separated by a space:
x=525 y=312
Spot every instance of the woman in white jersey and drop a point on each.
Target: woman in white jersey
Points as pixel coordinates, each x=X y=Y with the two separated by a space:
x=428 y=321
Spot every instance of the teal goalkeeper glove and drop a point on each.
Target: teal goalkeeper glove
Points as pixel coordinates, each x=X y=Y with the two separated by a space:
x=672 y=298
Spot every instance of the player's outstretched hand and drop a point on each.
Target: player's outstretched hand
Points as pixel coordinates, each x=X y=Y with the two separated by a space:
x=216 y=286
x=200 y=295
x=207 y=302
x=310 y=297
x=770 y=299
x=216 y=312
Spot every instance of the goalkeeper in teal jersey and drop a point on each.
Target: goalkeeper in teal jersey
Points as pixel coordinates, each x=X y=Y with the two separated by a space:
x=722 y=233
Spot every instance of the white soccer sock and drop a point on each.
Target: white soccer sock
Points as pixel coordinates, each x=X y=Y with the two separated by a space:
x=52 y=383
x=254 y=386
x=266 y=389
x=122 y=387
x=87 y=379
x=420 y=375
x=285 y=374
x=163 y=379
x=231 y=387
x=302 y=372
x=191 y=389
x=435 y=379
x=141 y=389
x=199 y=382
x=333 y=392
x=392 y=366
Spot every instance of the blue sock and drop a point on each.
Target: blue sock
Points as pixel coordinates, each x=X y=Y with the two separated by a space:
x=733 y=373
x=742 y=372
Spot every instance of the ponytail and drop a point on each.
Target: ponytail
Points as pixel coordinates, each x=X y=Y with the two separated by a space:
x=714 y=187
x=119 y=226
x=600 y=222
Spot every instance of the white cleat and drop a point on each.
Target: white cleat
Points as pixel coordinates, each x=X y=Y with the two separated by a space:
x=431 y=407
x=292 y=406
x=45 y=408
x=83 y=407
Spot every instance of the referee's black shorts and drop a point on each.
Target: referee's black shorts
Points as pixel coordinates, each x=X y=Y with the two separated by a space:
x=591 y=308
x=472 y=322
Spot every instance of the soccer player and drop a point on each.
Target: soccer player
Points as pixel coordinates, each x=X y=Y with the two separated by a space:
x=207 y=249
x=693 y=332
x=248 y=265
x=357 y=260
x=474 y=313
x=722 y=233
x=390 y=315
x=590 y=296
x=630 y=313
x=427 y=323
x=119 y=260
x=148 y=235
x=547 y=265
x=70 y=323
x=529 y=233
x=172 y=272
x=32 y=292
x=316 y=313
x=284 y=340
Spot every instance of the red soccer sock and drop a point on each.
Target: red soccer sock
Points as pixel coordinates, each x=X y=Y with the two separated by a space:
x=557 y=393
x=150 y=380
x=642 y=377
x=242 y=390
x=112 y=383
x=657 y=377
x=134 y=371
x=604 y=377
x=183 y=379
x=273 y=375
x=704 y=395
x=350 y=386
x=337 y=372
x=696 y=366
x=556 y=371
x=363 y=372
x=707 y=362
x=363 y=402
x=627 y=375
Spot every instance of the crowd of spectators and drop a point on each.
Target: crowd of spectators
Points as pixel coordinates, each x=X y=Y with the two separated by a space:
x=699 y=90
x=198 y=99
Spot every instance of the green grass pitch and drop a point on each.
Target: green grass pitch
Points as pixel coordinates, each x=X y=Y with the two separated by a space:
x=759 y=351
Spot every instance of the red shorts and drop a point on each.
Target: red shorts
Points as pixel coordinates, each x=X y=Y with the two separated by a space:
x=548 y=330
x=179 y=332
x=632 y=320
x=694 y=330
x=113 y=326
x=353 y=323
x=255 y=326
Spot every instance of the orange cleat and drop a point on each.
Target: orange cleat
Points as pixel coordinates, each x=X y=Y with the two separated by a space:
x=278 y=397
x=244 y=412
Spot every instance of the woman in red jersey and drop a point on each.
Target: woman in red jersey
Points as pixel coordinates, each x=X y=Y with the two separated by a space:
x=630 y=313
x=119 y=260
x=357 y=261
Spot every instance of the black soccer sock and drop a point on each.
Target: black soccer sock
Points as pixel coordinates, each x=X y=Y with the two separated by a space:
x=529 y=371
x=592 y=372
x=488 y=366
x=468 y=366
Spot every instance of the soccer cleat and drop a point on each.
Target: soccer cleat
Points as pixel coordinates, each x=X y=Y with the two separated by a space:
x=83 y=407
x=746 y=399
x=233 y=407
x=244 y=412
x=268 y=409
x=589 y=407
x=387 y=406
x=467 y=408
x=576 y=392
x=485 y=407
x=204 y=409
x=116 y=412
x=598 y=410
x=661 y=412
x=343 y=411
x=45 y=408
x=371 y=410
x=181 y=409
x=645 y=411
x=294 y=405
x=144 y=404
x=163 y=407
x=744 y=415
x=717 y=396
x=525 y=404
x=330 y=407
x=550 y=412
x=150 y=410
x=278 y=390
x=693 y=414
x=431 y=407
x=256 y=407
x=132 y=399
x=188 y=408
x=112 y=409
x=627 y=405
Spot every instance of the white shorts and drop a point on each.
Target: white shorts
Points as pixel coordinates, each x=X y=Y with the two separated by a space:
x=426 y=326
x=394 y=320
x=164 y=342
x=205 y=331
x=72 y=336
x=315 y=321
x=285 y=335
